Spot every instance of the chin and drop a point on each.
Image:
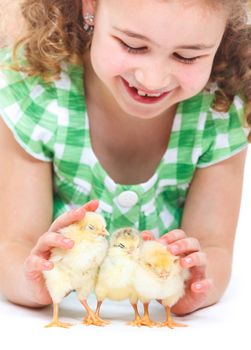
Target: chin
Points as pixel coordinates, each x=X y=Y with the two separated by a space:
x=145 y=113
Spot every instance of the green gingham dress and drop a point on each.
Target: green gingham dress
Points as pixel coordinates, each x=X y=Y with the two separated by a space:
x=51 y=123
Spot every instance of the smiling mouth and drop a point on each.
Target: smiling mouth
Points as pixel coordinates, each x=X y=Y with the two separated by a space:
x=143 y=97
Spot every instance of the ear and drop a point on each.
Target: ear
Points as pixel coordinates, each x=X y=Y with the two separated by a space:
x=89 y=7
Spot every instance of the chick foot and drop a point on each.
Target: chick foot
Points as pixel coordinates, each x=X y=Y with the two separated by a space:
x=137 y=318
x=143 y=321
x=97 y=313
x=92 y=318
x=58 y=324
x=136 y=322
x=171 y=324
x=169 y=321
x=55 y=321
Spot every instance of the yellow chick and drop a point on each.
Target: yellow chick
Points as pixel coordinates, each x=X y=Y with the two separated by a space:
x=115 y=278
x=77 y=268
x=159 y=275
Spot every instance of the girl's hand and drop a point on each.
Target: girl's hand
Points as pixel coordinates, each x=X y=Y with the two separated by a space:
x=37 y=261
x=198 y=286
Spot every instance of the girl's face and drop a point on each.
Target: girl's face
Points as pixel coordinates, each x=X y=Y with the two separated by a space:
x=161 y=48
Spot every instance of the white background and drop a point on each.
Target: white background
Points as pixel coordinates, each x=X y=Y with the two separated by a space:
x=222 y=325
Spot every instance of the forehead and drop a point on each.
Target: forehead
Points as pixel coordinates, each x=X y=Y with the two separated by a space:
x=179 y=19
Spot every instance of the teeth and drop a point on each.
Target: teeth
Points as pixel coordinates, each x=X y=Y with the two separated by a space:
x=154 y=95
x=142 y=93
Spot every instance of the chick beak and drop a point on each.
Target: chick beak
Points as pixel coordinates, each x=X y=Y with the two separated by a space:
x=104 y=233
x=164 y=274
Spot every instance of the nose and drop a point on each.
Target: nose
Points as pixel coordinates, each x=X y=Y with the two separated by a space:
x=154 y=75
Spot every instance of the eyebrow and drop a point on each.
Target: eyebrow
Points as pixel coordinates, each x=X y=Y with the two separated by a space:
x=182 y=47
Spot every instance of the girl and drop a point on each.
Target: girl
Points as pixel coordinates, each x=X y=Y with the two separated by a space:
x=139 y=104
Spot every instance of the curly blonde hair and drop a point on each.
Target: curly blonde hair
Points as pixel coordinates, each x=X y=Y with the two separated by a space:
x=55 y=34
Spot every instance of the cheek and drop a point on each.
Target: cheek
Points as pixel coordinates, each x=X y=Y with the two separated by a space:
x=195 y=78
x=105 y=64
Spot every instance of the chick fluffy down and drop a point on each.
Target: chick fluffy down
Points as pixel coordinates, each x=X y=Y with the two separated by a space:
x=76 y=268
x=115 y=279
x=150 y=285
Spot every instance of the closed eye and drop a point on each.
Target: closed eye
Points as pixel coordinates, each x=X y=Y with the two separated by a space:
x=90 y=227
x=186 y=60
x=120 y=245
x=133 y=50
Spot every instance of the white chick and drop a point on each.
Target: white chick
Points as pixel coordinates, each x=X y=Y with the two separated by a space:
x=115 y=278
x=77 y=268
x=159 y=275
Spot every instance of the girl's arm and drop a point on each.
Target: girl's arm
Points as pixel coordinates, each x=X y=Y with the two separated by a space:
x=26 y=233
x=25 y=211
x=210 y=217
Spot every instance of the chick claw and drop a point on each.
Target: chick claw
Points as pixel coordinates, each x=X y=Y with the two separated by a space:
x=169 y=321
x=55 y=321
x=143 y=322
x=58 y=324
x=171 y=324
x=92 y=319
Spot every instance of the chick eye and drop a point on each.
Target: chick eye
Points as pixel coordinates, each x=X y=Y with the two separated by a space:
x=120 y=245
x=90 y=227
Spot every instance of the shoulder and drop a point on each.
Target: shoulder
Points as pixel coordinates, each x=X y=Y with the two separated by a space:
x=211 y=136
x=224 y=133
x=32 y=108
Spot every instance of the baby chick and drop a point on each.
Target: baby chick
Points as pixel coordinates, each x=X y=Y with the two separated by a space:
x=115 y=278
x=77 y=268
x=159 y=275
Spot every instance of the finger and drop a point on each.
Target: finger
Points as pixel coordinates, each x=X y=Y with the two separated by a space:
x=51 y=240
x=92 y=205
x=197 y=274
x=184 y=246
x=172 y=236
x=194 y=259
x=203 y=286
x=147 y=236
x=35 y=263
x=67 y=219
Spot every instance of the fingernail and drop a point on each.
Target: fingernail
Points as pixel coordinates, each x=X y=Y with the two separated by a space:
x=198 y=286
x=67 y=241
x=47 y=264
x=188 y=261
x=174 y=249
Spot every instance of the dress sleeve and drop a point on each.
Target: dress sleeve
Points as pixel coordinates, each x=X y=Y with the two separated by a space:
x=25 y=108
x=224 y=134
